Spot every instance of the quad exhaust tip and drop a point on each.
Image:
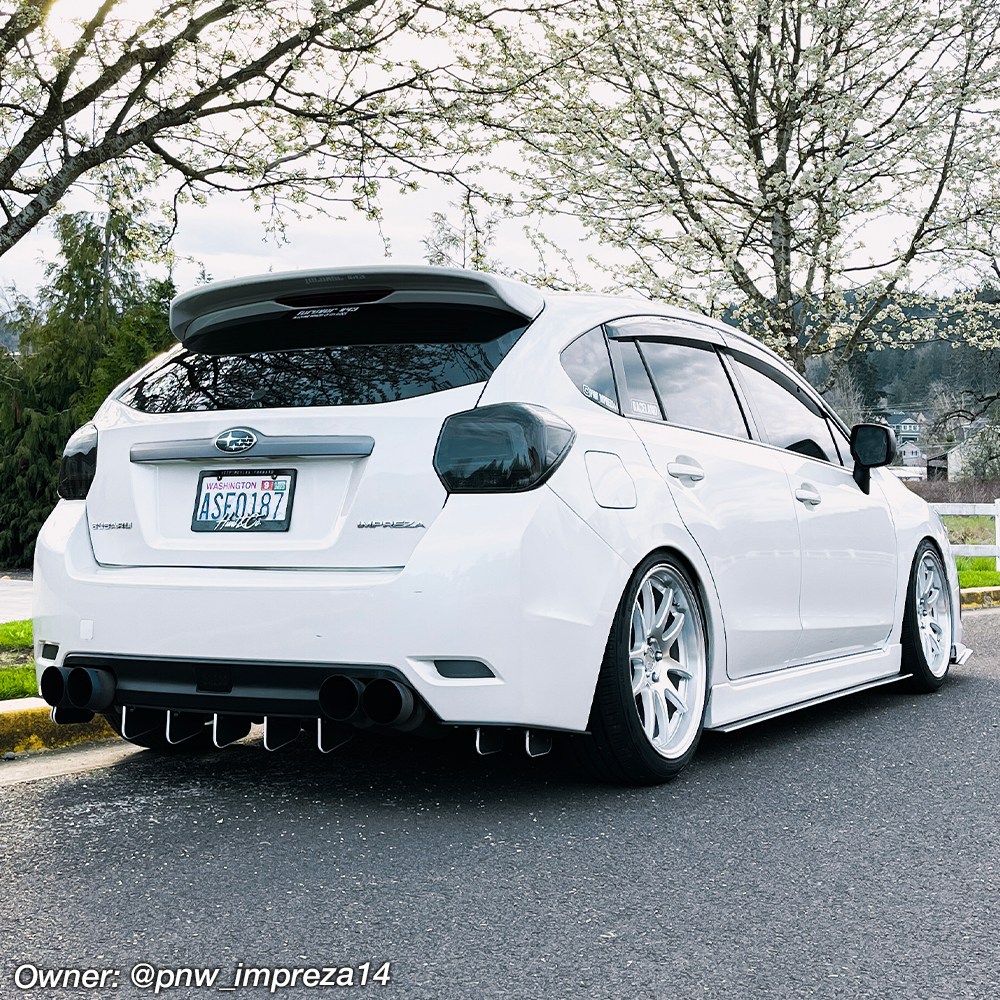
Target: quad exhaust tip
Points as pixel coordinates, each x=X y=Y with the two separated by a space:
x=85 y=689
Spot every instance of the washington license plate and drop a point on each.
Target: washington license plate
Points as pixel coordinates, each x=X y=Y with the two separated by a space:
x=244 y=500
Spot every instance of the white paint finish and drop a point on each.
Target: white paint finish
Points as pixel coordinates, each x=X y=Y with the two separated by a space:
x=610 y=482
x=396 y=482
x=519 y=581
x=86 y=628
x=222 y=301
x=753 y=696
x=742 y=516
x=848 y=542
x=527 y=583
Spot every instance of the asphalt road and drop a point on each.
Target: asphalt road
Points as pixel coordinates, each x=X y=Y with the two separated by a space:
x=848 y=851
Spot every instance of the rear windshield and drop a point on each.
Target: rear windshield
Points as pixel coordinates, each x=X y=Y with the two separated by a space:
x=346 y=374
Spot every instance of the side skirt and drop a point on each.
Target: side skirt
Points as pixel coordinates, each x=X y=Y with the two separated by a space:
x=735 y=704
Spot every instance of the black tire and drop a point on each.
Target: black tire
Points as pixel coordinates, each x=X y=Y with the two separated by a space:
x=157 y=740
x=927 y=621
x=638 y=735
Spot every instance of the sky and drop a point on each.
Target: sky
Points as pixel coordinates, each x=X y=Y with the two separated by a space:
x=228 y=239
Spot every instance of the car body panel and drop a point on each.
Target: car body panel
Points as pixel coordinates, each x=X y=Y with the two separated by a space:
x=526 y=583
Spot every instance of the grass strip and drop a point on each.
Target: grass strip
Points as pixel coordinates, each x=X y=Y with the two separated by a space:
x=977 y=571
x=16 y=635
x=18 y=682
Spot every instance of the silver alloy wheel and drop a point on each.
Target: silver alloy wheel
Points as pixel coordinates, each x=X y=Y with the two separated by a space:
x=933 y=613
x=667 y=661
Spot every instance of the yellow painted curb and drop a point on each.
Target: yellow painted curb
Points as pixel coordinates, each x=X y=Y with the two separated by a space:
x=32 y=729
x=980 y=597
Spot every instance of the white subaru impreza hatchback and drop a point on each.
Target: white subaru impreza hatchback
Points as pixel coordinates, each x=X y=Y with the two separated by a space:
x=415 y=497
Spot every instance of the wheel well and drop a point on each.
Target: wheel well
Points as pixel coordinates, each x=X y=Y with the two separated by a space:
x=937 y=548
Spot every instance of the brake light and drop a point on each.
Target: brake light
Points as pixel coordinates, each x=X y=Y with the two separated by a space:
x=503 y=448
x=79 y=464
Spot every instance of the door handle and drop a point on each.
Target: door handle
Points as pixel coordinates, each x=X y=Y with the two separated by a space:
x=681 y=471
x=808 y=496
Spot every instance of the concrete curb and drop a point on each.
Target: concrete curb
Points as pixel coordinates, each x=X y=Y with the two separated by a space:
x=980 y=597
x=25 y=725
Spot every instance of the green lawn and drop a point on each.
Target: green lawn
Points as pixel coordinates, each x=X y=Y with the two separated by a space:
x=977 y=571
x=15 y=635
x=18 y=682
x=17 y=671
x=974 y=571
x=970 y=530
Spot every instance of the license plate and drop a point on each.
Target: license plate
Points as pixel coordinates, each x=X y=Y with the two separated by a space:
x=244 y=500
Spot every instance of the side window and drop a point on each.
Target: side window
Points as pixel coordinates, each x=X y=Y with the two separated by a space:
x=588 y=364
x=694 y=388
x=638 y=398
x=843 y=443
x=788 y=414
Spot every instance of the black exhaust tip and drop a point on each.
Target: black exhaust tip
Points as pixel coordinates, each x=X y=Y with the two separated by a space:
x=53 y=686
x=340 y=698
x=89 y=689
x=387 y=703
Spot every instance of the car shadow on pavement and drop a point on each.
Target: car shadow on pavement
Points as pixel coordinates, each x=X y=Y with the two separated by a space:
x=406 y=767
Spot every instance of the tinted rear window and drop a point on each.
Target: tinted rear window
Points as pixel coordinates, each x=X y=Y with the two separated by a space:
x=350 y=374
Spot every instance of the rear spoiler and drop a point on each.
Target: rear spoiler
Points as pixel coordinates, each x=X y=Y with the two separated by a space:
x=224 y=302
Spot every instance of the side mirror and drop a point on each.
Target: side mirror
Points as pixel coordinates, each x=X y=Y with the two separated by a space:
x=872 y=445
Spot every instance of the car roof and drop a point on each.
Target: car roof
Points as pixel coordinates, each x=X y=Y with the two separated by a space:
x=238 y=297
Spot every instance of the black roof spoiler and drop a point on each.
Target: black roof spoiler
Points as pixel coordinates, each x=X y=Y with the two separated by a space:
x=224 y=301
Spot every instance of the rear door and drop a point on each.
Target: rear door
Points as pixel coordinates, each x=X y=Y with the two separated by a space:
x=731 y=494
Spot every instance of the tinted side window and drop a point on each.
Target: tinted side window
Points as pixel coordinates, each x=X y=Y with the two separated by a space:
x=843 y=443
x=694 y=388
x=638 y=398
x=588 y=364
x=789 y=418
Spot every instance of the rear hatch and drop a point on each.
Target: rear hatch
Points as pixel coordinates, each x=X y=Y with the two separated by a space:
x=295 y=425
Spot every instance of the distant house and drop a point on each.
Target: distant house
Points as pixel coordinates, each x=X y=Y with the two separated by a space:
x=907 y=426
x=911 y=455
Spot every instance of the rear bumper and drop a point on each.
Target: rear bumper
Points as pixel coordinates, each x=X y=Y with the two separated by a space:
x=519 y=583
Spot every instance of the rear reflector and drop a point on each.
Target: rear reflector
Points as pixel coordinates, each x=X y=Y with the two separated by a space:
x=463 y=668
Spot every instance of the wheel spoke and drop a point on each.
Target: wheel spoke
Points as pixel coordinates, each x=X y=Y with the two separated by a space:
x=648 y=715
x=648 y=608
x=671 y=666
x=638 y=678
x=661 y=714
x=676 y=627
x=664 y=612
x=674 y=696
x=639 y=633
